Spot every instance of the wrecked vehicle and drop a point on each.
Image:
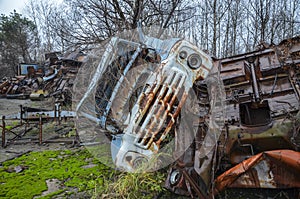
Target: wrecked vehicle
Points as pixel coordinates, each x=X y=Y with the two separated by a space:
x=223 y=123
x=259 y=142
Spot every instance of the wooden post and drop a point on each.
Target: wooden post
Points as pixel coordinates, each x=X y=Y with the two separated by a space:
x=55 y=112
x=59 y=115
x=21 y=114
x=41 y=130
x=3 y=131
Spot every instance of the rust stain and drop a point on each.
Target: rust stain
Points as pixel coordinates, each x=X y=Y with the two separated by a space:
x=173 y=119
x=283 y=166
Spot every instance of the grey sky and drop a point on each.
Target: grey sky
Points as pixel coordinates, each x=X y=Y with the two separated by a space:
x=7 y=6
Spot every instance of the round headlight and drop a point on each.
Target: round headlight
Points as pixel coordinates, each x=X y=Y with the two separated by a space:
x=175 y=177
x=194 y=61
x=183 y=54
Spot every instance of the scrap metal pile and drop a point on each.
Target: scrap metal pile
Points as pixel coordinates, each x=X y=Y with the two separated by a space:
x=54 y=79
x=259 y=142
x=229 y=123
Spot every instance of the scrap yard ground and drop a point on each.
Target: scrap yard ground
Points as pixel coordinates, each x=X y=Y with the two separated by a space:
x=12 y=106
x=66 y=171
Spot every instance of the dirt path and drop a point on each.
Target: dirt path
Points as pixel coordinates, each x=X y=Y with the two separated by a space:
x=12 y=106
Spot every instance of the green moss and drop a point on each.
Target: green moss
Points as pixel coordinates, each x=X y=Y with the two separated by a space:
x=7 y=127
x=65 y=166
x=72 y=133
x=49 y=196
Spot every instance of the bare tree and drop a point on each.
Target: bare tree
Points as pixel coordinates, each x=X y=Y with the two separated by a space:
x=42 y=13
x=224 y=28
x=92 y=21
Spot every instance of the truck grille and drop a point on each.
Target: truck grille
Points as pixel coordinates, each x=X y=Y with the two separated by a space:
x=160 y=105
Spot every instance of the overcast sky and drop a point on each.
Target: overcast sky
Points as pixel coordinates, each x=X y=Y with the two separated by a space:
x=7 y=6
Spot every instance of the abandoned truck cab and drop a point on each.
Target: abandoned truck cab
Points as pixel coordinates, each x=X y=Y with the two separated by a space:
x=223 y=123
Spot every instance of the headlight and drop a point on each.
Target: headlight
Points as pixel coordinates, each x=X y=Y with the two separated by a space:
x=175 y=177
x=194 y=61
x=183 y=54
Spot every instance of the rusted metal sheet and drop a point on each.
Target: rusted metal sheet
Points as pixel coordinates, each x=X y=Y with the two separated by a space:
x=269 y=169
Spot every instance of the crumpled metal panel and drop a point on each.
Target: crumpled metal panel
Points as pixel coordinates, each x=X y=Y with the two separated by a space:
x=270 y=169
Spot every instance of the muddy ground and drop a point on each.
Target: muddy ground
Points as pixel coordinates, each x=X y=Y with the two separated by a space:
x=29 y=142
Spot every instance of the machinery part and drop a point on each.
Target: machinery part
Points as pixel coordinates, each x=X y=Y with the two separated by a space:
x=269 y=169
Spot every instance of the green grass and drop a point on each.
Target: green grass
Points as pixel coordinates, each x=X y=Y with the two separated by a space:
x=99 y=181
x=132 y=185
